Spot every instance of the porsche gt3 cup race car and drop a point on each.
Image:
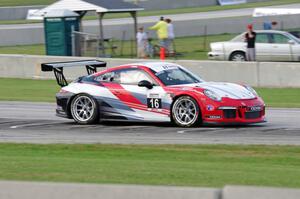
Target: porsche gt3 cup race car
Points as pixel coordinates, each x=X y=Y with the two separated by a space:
x=153 y=91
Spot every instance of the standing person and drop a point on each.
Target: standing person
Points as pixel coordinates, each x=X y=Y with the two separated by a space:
x=250 y=38
x=142 y=43
x=161 y=28
x=267 y=26
x=171 y=36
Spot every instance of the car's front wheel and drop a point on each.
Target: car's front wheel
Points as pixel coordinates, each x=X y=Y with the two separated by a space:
x=238 y=56
x=84 y=109
x=186 y=112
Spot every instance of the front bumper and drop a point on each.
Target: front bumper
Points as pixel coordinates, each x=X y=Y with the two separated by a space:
x=216 y=56
x=231 y=123
x=235 y=112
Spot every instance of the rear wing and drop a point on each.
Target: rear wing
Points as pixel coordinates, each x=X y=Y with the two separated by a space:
x=57 y=68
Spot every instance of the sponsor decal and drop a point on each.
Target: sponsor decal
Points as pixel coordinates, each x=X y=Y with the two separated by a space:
x=161 y=69
x=214 y=117
x=169 y=67
x=210 y=107
x=170 y=95
x=154 y=103
x=231 y=2
x=254 y=108
x=185 y=88
x=153 y=95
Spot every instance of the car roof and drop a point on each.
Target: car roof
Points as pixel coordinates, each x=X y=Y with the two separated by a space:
x=237 y=38
x=270 y=31
x=156 y=66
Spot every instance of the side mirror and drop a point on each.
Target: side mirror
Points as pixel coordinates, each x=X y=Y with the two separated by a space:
x=145 y=83
x=292 y=42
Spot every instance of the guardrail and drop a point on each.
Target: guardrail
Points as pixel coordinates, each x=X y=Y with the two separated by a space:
x=36 y=190
x=258 y=74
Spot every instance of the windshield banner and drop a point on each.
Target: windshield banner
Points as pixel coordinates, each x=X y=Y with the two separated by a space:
x=231 y=2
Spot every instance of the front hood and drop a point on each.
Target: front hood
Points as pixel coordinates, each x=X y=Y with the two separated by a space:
x=230 y=90
x=216 y=46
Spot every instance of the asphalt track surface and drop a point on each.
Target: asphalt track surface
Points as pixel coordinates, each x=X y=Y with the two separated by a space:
x=153 y=19
x=22 y=122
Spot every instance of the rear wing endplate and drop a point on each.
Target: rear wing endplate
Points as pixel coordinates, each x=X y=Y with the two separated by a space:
x=57 y=68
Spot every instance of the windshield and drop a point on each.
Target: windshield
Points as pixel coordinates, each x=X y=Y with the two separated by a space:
x=293 y=37
x=177 y=76
x=239 y=38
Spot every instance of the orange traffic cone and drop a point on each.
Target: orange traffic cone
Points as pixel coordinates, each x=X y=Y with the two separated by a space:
x=162 y=53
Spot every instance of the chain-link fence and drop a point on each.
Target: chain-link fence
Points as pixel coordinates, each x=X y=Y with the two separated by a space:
x=192 y=47
x=91 y=45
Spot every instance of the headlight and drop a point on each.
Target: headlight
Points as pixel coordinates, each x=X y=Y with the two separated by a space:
x=212 y=95
x=249 y=88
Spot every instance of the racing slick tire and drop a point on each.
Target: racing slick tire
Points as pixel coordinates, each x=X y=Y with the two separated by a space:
x=84 y=109
x=186 y=112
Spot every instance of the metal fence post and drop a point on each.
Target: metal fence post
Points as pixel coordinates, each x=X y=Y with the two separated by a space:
x=73 y=40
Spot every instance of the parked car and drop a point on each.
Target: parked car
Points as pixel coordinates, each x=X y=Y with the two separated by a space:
x=295 y=33
x=271 y=45
x=152 y=92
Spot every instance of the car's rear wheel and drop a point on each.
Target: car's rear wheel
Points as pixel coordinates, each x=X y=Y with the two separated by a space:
x=186 y=112
x=84 y=109
x=238 y=56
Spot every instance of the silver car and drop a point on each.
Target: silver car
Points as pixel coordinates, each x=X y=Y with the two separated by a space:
x=271 y=45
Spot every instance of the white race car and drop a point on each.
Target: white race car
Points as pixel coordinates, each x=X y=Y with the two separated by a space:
x=154 y=91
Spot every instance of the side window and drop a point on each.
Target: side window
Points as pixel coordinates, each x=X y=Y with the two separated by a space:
x=280 y=39
x=263 y=38
x=106 y=77
x=133 y=76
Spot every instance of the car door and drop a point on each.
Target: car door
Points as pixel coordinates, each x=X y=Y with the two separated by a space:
x=281 y=49
x=295 y=48
x=295 y=51
x=139 y=103
x=263 y=46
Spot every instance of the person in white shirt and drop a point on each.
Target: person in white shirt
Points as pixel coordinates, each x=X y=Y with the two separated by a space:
x=142 y=43
x=171 y=36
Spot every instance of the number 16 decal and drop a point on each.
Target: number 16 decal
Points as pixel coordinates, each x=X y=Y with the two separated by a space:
x=154 y=103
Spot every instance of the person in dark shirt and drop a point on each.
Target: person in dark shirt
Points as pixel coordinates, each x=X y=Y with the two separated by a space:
x=250 y=39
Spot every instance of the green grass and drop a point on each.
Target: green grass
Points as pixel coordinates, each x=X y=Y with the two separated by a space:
x=146 y=12
x=189 y=48
x=20 y=21
x=194 y=165
x=25 y=2
x=38 y=49
x=195 y=48
x=285 y=97
x=44 y=91
x=28 y=90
